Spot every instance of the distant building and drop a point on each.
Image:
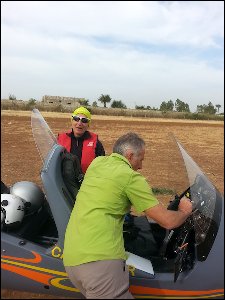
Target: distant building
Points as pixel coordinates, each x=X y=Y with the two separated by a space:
x=64 y=101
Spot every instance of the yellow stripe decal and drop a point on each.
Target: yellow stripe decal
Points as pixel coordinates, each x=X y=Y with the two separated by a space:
x=35 y=268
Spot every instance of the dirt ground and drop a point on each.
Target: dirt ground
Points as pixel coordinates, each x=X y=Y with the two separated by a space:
x=203 y=140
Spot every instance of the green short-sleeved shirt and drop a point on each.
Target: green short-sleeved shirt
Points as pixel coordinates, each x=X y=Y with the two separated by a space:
x=95 y=228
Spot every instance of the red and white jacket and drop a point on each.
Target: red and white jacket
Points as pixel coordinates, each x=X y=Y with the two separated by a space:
x=88 y=150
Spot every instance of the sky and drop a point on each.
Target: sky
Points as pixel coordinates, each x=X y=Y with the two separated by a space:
x=139 y=52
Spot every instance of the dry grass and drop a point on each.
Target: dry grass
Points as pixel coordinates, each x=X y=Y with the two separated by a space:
x=104 y=117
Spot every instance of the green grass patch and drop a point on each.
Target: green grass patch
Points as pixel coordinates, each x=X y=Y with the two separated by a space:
x=163 y=191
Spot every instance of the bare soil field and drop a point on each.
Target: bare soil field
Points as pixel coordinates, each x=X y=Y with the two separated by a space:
x=162 y=167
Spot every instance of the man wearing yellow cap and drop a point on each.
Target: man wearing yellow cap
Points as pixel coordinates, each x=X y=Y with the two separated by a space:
x=79 y=141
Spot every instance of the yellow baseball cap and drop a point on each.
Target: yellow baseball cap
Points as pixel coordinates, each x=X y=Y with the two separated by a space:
x=83 y=111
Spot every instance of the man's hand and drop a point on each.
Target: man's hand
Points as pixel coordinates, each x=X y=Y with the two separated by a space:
x=185 y=206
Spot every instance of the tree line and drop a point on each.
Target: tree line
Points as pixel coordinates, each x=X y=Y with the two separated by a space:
x=165 y=106
x=178 y=106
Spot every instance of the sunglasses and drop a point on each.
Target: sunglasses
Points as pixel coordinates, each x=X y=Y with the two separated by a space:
x=82 y=119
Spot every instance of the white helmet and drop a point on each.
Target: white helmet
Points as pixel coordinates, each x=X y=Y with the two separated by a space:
x=30 y=193
x=12 y=210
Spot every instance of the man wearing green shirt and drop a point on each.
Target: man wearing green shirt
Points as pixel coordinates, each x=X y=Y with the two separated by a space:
x=94 y=254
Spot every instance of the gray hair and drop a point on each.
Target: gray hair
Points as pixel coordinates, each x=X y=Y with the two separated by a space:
x=129 y=141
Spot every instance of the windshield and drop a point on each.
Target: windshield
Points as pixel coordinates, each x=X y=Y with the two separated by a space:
x=207 y=205
x=43 y=136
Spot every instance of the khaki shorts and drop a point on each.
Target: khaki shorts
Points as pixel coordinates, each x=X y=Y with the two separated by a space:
x=103 y=279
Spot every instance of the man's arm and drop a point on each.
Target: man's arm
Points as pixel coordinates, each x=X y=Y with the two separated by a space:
x=170 y=219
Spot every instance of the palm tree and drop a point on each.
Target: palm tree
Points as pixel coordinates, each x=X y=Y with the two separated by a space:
x=218 y=107
x=104 y=99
